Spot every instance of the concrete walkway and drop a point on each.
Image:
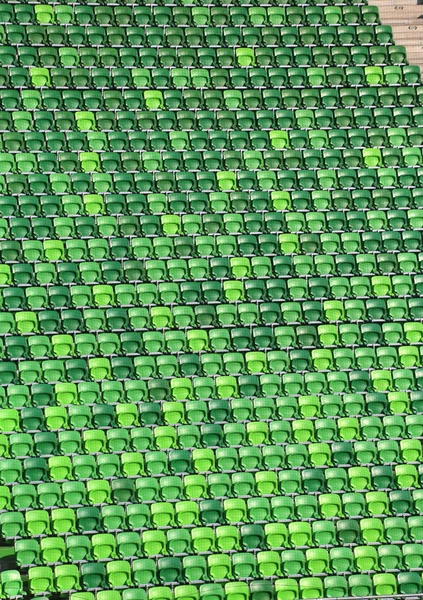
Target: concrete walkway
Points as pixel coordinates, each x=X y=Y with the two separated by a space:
x=406 y=20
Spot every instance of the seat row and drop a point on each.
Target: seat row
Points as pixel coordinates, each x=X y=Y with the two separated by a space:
x=300 y=478
x=351 y=166
x=304 y=588
x=133 y=390
x=329 y=180
x=35 y=364
x=321 y=435
x=284 y=375
x=288 y=79
x=152 y=524
x=288 y=98
x=122 y=574
x=124 y=58
x=302 y=27
x=214 y=110
x=31 y=418
x=336 y=66
x=252 y=353
x=126 y=8
x=262 y=408
x=227 y=291
x=269 y=341
x=343 y=148
x=134 y=210
x=245 y=314
x=43 y=581
x=262 y=105
x=151 y=14
x=307 y=405
x=106 y=272
x=190 y=181
x=219 y=567
x=97 y=262
x=146 y=207
x=318 y=433
x=170 y=489
x=220 y=289
x=107 y=237
x=122 y=139
x=147 y=492
x=246 y=47
x=241 y=565
x=292 y=456
x=118 y=64
x=244 y=227
x=198 y=16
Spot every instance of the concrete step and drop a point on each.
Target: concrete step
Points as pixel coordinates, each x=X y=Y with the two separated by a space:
x=406 y=19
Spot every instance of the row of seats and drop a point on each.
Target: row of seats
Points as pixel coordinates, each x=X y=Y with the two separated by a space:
x=245 y=45
x=171 y=130
x=126 y=8
x=142 y=206
x=221 y=289
x=289 y=81
x=295 y=149
x=263 y=105
x=171 y=489
x=83 y=203
x=104 y=271
x=31 y=418
x=198 y=16
x=121 y=574
x=138 y=391
x=352 y=27
x=320 y=453
x=306 y=587
x=162 y=516
x=193 y=150
x=227 y=235
x=44 y=581
x=187 y=71
x=187 y=317
x=127 y=58
x=302 y=479
x=242 y=566
x=255 y=351
x=192 y=411
x=251 y=99
x=234 y=151
x=286 y=378
x=236 y=229
x=230 y=258
x=316 y=434
x=310 y=407
x=191 y=181
x=269 y=118
x=201 y=315
x=324 y=100
x=249 y=362
x=347 y=167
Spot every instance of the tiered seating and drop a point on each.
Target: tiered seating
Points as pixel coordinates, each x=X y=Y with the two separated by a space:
x=211 y=313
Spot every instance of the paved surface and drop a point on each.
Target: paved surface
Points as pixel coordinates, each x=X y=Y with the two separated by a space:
x=406 y=20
